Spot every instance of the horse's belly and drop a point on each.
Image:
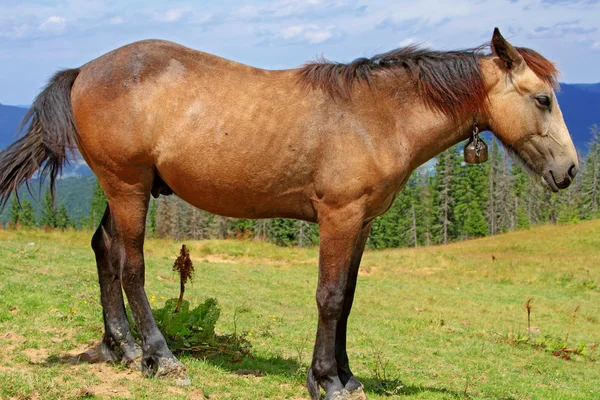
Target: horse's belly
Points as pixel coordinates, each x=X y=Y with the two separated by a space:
x=240 y=186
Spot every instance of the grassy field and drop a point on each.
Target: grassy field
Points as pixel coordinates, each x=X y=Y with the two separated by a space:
x=432 y=323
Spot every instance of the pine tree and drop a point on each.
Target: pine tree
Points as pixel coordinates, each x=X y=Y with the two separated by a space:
x=283 y=231
x=519 y=182
x=590 y=178
x=97 y=206
x=493 y=171
x=15 y=211
x=62 y=217
x=443 y=202
x=470 y=195
x=262 y=229
x=27 y=215
x=48 y=217
x=502 y=196
x=152 y=219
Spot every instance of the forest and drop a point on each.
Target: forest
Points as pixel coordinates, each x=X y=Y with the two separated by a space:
x=446 y=202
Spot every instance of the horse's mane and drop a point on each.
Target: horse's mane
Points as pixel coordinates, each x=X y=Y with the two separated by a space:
x=449 y=81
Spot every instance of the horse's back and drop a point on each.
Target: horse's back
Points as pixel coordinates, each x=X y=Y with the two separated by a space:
x=203 y=122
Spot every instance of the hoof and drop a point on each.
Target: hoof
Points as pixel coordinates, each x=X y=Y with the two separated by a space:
x=338 y=395
x=357 y=394
x=356 y=389
x=97 y=354
x=344 y=394
x=171 y=369
x=134 y=364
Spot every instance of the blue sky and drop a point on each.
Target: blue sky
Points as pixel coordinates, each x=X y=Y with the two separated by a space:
x=39 y=37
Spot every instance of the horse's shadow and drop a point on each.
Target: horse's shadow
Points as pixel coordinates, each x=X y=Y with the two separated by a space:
x=291 y=369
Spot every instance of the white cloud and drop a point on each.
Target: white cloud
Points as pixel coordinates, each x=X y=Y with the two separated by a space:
x=116 y=21
x=407 y=42
x=308 y=33
x=53 y=24
x=596 y=45
x=172 y=15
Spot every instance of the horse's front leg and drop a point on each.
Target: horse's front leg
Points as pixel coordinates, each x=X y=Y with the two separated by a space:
x=340 y=230
x=351 y=384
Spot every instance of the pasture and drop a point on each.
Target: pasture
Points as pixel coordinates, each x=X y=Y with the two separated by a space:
x=440 y=322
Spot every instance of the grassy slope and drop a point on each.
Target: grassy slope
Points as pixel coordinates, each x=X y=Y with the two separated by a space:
x=435 y=318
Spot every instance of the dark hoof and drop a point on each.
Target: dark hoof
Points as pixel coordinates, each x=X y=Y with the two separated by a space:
x=338 y=395
x=354 y=386
x=97 y=354
x=356 y=394
x=166 y=368
x=102 y=352
x=134 y=361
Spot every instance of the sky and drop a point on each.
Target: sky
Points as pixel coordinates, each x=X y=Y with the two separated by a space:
x=39 y=37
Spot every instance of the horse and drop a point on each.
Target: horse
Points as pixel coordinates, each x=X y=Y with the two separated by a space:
x=331 y=143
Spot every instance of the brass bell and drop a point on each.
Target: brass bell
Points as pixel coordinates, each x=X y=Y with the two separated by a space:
x=476 y=151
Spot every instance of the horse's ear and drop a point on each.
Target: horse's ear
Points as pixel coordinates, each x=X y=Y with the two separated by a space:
x=510 y=57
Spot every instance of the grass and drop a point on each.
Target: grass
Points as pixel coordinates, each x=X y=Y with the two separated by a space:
x=440 y=322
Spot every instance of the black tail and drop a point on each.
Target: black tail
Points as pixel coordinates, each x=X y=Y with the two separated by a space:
x=50 y=133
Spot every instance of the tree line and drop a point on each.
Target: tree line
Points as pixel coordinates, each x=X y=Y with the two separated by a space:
x=449 y=202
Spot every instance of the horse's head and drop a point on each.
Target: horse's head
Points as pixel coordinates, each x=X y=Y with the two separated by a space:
x=524 y=113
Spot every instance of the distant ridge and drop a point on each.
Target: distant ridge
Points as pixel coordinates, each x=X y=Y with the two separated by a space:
x=588 y=87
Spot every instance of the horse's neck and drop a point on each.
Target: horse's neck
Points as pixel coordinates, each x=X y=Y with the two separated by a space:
x=423 y=131
x=428 y=133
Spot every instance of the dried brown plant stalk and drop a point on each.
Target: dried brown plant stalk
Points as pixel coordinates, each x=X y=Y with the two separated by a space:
x=571 y=323
x=528 y=306
x=183 y=265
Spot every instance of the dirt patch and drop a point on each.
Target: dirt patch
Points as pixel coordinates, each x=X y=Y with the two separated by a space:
x=368 y=270
x=215 y=259
x=110 y=380
x=36 y=356
x=427 y=271
x=9 y=341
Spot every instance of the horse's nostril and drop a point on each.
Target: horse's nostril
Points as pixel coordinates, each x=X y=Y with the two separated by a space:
x=573 y=171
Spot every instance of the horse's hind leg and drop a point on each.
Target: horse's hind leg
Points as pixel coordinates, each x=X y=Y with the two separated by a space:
x=128 y=204
x=118 y=344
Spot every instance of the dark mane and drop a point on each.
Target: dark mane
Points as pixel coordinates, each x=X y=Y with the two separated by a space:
x=450 y=81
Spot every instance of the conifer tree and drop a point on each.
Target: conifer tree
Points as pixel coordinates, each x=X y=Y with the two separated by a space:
x=15 y=211
x=503 y=197
x=27 y=214
x=470 y=195
x=48 y=216
x=443 y=202
x=493 y=172
x=152 y=219
x=62 y=217
x=519 y=182
x=590 y=178
x=97 y=206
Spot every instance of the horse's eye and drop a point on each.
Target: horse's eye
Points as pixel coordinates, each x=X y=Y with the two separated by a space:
x=543 y=101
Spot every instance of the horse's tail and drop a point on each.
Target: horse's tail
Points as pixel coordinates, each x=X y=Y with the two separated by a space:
x=50 y=133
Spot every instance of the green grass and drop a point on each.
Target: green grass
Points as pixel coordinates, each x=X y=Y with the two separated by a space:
x=432 y=323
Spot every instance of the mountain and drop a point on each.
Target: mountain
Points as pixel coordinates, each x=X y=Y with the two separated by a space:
x=580 y=105
x=588 y=87
x=10 y=121
x=75 y=191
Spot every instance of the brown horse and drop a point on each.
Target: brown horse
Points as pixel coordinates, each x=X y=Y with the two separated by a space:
x=329 y=143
